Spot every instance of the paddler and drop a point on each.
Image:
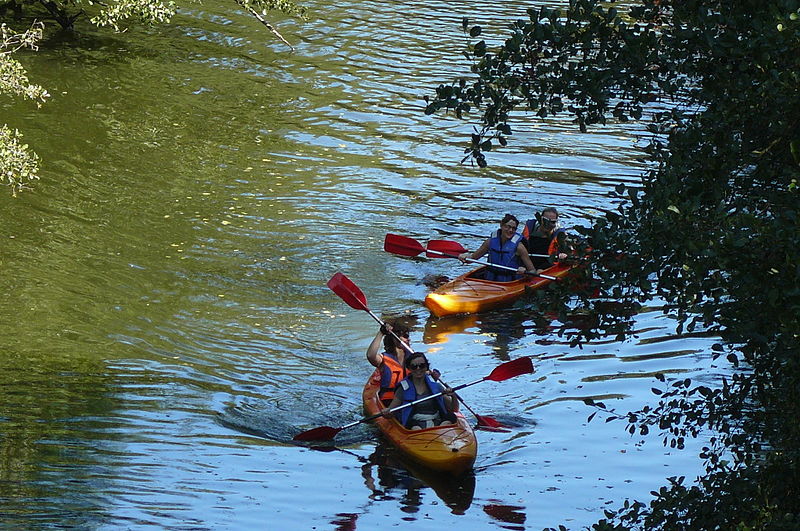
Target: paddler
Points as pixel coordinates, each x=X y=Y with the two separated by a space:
x=419 y=384
x=506 y=248
x=542 y=235
x=392 y=360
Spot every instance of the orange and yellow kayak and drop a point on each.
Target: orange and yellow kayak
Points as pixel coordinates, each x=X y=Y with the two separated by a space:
x=467 y=294
x=448 y=448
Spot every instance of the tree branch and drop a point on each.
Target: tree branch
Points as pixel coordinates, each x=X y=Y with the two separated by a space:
x=263 y=21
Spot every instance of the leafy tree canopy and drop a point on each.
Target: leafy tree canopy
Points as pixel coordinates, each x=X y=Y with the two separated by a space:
x=18 y=164
x=712 y=228
x=116 y=13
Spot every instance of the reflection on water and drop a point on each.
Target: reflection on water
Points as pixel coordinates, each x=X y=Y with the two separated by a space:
x=507 y=514
x=499 y=329
x=438 y=330
x=387 y=474
x=385 y=471
x=166 y=325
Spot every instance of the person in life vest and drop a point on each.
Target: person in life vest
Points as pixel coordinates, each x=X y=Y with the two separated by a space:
x=505 y=247
x=392 y=360
x=543 y=236
x=419 y=384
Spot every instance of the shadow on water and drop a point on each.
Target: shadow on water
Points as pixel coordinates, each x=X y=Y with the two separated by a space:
x=387 y=474
x=389 y=477
x=505 y=328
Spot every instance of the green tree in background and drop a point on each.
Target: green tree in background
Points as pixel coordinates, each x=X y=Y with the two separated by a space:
x=18 y=165
x=712 y=228
x=116 y=13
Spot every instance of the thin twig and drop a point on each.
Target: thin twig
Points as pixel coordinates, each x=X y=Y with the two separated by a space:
x=263 y=21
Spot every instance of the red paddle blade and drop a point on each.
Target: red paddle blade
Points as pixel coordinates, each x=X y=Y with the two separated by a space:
x=402 y=245
x=323 y=433
x=444 y=249
x=501 y=429
x=348 y=291
x=489 y=422
x=510 y=369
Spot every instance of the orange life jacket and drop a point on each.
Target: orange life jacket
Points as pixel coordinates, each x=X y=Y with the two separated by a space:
x=554 y=247
x=391 y=375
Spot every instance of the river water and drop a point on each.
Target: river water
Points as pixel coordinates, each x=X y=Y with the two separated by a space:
x=166 y=328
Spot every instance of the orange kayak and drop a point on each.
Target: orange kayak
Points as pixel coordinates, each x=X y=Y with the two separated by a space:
x=467 y=294
x=449 y=448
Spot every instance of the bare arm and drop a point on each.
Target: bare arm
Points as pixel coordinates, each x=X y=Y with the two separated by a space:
x=522 y=253
x=450 y=401
x=482 y=250
x=374 y=355
x=477 y=254
x=396 y=401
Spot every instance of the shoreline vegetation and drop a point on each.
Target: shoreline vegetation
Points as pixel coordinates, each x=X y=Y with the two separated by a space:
x=19 y=164
x=712 y=228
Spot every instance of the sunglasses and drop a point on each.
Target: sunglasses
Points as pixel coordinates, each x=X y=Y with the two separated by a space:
x=418 y=366
x=545 y=220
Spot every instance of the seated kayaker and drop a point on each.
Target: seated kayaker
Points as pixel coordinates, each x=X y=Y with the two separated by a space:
x=392 y=360
x=543 y=236
x=419 y=384
x=505 y=247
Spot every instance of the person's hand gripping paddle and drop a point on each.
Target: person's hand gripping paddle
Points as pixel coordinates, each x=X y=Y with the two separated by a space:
x=405 y=246
x=500 y=373
x=350 y=293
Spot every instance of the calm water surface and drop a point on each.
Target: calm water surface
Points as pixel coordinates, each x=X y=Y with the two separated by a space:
x=166 y=325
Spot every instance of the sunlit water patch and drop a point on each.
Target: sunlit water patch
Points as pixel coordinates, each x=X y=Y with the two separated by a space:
x=167 y=326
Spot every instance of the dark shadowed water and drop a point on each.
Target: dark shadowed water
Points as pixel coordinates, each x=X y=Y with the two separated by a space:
x=166 y=328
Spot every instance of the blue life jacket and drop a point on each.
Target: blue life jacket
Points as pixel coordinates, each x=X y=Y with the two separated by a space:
x=410 y=394
x=504 y=255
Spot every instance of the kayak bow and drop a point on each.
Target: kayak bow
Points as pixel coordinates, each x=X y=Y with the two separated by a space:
x=468 y=294
x=447 y=448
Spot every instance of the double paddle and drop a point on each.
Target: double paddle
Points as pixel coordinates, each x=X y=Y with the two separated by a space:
x=500 y=373
x=405 y=246
x=355 y=298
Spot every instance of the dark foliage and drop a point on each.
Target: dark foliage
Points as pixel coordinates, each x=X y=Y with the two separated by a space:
x=712 y=229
